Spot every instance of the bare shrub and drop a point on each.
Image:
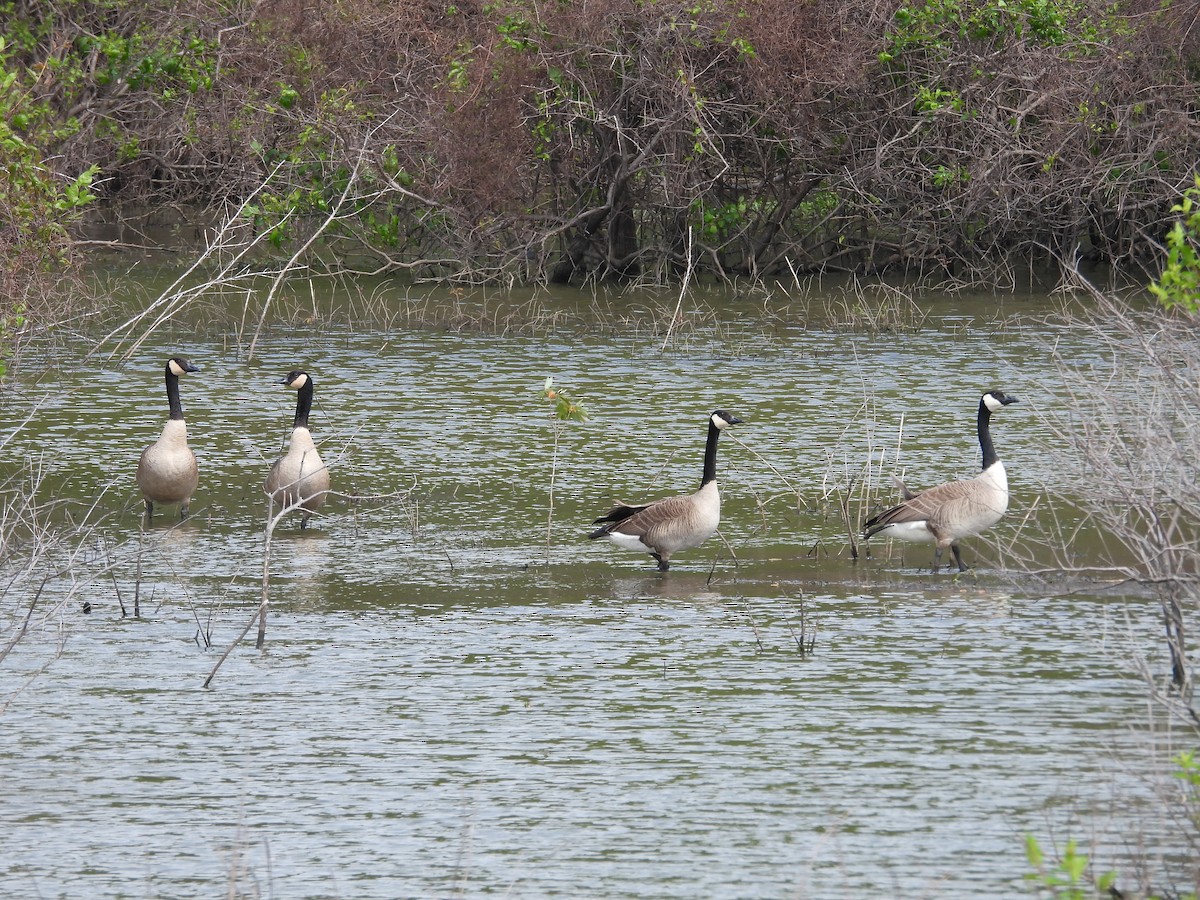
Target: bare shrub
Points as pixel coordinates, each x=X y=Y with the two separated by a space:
x=52 y=559
x=1131 y=429
x=527 y=140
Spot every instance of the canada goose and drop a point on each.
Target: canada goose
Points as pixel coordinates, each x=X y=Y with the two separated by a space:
x=299 y=476
x=944 y=514
x=166 y=471
x=664 y=527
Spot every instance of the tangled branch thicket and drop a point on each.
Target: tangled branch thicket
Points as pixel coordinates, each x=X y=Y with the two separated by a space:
x=531 y=140
x=1132 y=427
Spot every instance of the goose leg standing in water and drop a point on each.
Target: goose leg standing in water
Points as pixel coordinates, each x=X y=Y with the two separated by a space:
x=299 y=476
x=951 y=511
x=664 y=527
x=166 y=471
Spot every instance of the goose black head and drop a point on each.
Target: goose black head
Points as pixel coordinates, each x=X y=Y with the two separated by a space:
x=994 y=400
x=295 y=379
x=722 y=419
x=177 y=366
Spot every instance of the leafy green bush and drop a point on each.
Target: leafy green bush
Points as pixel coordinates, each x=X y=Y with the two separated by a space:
x=1069 y=880
x=36 y=205
x=1188 y=771
x=565 y=409
x=1178 y=287
x=10 y=322
x=932 y=26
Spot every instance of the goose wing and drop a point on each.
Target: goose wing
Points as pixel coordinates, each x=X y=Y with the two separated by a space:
x=955 y=508
x=917 y=508
x=622 y=510
x=639 y=520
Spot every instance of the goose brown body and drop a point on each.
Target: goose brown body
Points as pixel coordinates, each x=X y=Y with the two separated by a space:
x=944 y=514
x=299 y=476
x=666 y=526
x=167 y=470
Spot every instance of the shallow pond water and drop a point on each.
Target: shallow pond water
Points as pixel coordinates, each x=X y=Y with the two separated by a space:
x=454 y=702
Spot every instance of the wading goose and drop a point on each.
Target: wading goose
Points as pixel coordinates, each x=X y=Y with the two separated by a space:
x=944 y=514
x=299 y=476
x=166 y=471
x=664 y=527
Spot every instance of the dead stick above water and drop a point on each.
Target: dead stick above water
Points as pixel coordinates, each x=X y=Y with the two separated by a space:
x=844 y=503
x=260 y=613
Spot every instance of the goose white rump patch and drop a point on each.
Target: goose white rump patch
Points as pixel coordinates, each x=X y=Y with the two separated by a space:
x=909 y=531
x=628 y=541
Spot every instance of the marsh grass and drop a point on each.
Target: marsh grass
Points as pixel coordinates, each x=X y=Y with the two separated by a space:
x=789 y=491
x=852 y=485
x=228 y=288
x=55 y=559
x=770 y=620
x=874 y=307
x=244 y=880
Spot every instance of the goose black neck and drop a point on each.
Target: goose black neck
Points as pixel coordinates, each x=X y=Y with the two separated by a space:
x=983 y=426
x=173 y=394
x=304 y=398
x=710 y=455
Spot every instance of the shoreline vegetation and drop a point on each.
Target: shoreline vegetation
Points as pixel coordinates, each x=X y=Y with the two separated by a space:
x=535 y=142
